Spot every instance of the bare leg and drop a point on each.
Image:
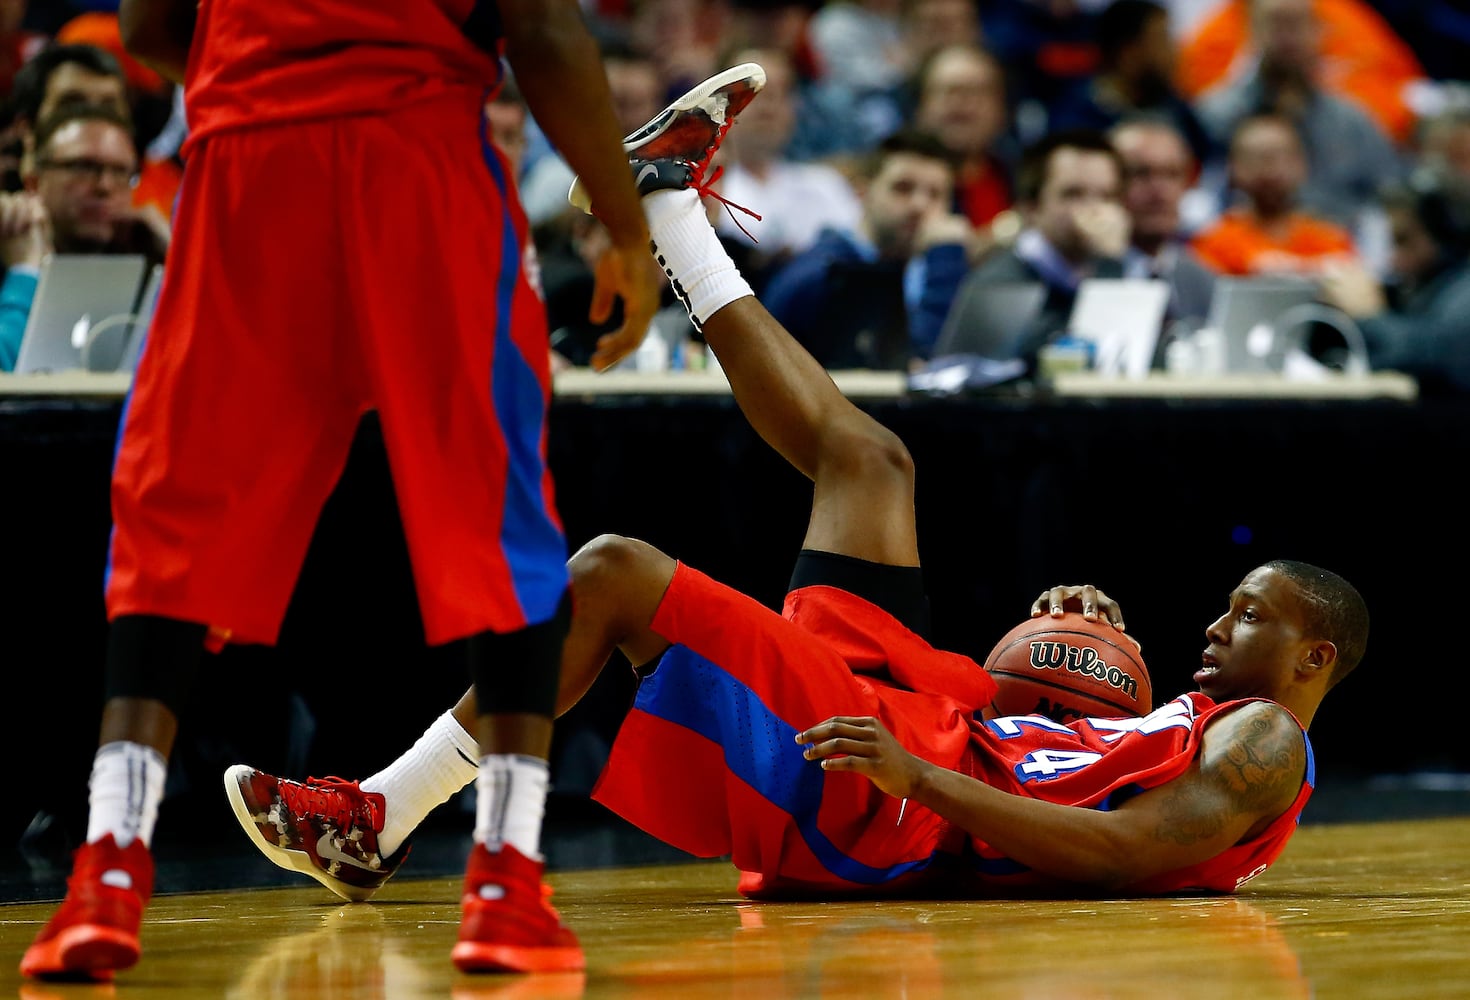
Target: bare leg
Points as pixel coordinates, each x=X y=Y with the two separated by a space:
x=139 y=720
x=617 y=584
x=863 y=498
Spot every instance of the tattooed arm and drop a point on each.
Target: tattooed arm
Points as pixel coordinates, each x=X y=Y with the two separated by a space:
x=1248 y=772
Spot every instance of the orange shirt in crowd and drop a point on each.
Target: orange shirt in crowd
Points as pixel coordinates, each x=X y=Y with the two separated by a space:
x=1236 y=244
x=1363 y=59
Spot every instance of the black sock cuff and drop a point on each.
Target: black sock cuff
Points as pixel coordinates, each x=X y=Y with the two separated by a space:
x=898 y=590
x=519 y=672
x=154 y=658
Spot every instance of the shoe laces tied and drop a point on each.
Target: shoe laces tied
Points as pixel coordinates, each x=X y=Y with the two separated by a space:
x=333 y=798
x=704 y=185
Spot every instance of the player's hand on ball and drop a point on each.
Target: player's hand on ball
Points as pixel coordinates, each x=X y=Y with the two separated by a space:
x=1093 y=603
x=865 y=746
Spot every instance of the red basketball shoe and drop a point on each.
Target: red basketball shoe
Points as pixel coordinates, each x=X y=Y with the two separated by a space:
x=95 y=932
x=687 y=132
x=326 y=828
x=506 y=924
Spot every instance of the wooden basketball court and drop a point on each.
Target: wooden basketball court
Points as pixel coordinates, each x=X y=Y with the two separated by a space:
x=1352 y=910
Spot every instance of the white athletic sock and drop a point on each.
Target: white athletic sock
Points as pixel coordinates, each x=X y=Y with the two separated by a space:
x=440 y=763
x=704 y=277
x=126 y=789
x=511 y=801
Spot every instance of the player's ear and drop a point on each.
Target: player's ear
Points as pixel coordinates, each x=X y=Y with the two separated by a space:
x=1320 y=658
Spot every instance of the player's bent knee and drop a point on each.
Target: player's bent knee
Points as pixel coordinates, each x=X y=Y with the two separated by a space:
x=614 y=572
x=867 y=450
x=609 y=558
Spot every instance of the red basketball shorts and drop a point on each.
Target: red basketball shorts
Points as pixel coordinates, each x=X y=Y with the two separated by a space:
x=707 y=759
x=320 y=270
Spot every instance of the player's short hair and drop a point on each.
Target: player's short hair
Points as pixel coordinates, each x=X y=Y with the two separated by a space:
x=1332 y=609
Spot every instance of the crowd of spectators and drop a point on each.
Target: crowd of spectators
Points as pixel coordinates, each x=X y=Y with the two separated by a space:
x=904 y=150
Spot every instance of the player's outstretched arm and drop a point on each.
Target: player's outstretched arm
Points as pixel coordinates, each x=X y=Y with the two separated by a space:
x=1248 y=773
x=559 y=70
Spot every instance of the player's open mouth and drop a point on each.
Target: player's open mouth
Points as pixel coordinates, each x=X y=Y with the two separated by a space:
x=1210 y=669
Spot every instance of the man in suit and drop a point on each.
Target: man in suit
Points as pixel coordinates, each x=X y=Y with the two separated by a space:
x=1070 y=193
x=1157 y=171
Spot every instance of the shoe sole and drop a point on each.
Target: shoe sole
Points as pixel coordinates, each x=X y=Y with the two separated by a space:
x=478 y=956
x=85 y=952
x=656 y=126
x=282 y=857
x=645 y=135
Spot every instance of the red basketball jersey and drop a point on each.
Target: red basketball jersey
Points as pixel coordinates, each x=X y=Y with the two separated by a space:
x=1101 y=763
x=261 y=63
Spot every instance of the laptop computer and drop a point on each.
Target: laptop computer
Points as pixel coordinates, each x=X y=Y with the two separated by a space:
x=1122 y=318
x=1248 y=312
x=147 y=302
x=990 y=320
x=81 y=313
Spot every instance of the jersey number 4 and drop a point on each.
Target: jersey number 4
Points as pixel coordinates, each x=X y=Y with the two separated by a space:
x=1044 y=765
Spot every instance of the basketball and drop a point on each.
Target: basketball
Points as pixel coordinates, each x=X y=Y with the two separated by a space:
x=1068 y=668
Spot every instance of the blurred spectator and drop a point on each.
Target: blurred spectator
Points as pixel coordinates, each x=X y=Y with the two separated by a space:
x=508 y=117
x=17 y=45
x=851 y=299
x=1266 y=231
x=637 y=95
x=795 y=200
x=58 y=74
x=777 y=24
x=962 y=100
x=929 y=25
x=1444 y=142
x=858 y=45
x=79 y=73
x=1135 y=76
x=1157 y=171
x=833 y=119
x=78 y=182
x=1049 y=50
x=149 y=94
x=152 y=102
x=1358 y=55
x=683 y=37
x=1417 y=324
x=1349 y=156
x=1069 y=191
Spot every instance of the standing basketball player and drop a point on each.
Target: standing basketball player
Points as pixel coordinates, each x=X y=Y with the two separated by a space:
x=830 y=748
x=348 y=239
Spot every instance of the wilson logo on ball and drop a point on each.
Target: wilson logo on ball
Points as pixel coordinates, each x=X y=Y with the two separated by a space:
x=1052 y=655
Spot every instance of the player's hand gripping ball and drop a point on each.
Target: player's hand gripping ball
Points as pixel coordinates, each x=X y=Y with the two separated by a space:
x=1067 y=668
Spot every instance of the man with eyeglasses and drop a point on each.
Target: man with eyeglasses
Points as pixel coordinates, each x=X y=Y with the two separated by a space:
x=79 y=180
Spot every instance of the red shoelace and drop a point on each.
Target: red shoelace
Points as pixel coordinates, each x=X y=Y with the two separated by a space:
x=333 y=798
x=703 y=186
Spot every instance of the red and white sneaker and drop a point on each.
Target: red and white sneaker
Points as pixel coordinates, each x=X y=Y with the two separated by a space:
x=686 y=132
x=506 y=923
x=325 y=827
x=95 y=932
